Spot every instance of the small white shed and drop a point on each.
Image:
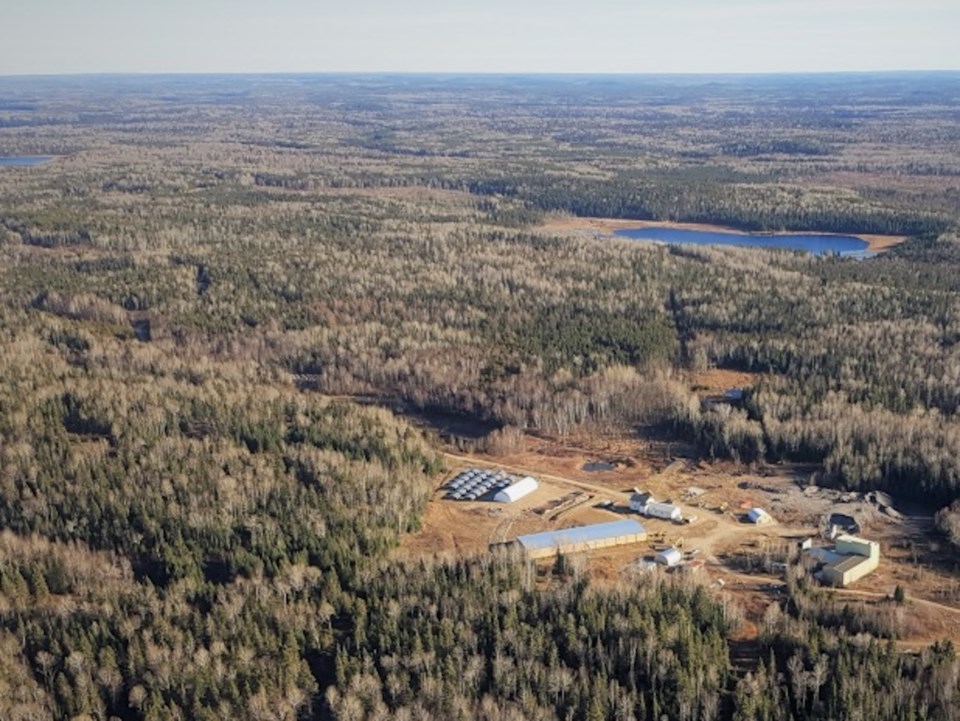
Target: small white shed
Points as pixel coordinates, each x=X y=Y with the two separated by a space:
x=759 y=516
x=669 y=557
x=518 y=490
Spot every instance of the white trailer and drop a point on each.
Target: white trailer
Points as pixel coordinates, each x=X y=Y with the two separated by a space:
x=667 y=511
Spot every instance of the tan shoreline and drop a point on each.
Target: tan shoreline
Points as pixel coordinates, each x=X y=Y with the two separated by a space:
x=606 y=226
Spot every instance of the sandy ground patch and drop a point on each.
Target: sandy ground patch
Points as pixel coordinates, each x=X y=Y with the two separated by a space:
x=719 y=380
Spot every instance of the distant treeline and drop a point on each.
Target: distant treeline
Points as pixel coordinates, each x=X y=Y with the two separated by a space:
x=744 y=206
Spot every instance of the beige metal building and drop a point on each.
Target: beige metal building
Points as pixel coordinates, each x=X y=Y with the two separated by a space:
x=859 y=557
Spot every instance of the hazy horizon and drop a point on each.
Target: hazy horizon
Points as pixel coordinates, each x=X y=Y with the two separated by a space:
x=481 y=73
x=612 y=37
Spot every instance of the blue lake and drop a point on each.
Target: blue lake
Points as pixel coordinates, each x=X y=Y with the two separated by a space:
x=818 y=244
x=24 y=159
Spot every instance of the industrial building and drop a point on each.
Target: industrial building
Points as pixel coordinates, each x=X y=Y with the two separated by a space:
x=669 y=557
x=582 y=538
x=667 y=511
x=759 y=516
x=524 y=487
x=644 y=504
x=639 y=499
x=857 y=558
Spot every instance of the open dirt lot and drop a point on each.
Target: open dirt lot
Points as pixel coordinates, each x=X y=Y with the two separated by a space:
x=716 y=495
x=464 y=527
x=719 y=380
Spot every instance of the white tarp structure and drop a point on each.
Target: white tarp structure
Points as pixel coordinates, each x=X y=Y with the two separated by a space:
x=518 y=490
x=662 y=510
x=759 y=516
x=669 y=557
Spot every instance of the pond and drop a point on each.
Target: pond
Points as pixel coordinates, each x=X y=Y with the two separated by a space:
x=816 y=243
x=24 y=159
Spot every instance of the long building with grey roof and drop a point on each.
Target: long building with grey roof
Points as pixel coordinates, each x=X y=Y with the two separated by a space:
x=581 y=538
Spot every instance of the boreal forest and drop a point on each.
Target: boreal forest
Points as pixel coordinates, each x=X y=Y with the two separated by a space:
x=227 y=303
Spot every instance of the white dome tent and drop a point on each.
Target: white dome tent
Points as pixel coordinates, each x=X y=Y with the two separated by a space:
x=669 y=557
x=518 y=490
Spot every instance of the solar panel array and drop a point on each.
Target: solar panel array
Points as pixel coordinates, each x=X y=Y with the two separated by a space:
x=476 y=484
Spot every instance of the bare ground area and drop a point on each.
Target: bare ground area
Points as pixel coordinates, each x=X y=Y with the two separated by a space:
x=720 y=380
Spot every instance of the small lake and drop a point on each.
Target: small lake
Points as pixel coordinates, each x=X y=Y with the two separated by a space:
x=816 y=243
x=24 y=159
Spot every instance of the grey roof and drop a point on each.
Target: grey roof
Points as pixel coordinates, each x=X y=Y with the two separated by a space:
x=848 y=563
x=597 y=531
x=825 y=555
x=671 y=552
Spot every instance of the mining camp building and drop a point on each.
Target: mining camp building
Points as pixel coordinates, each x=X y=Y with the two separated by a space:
x=858 y=558
x=582 y=538
x=644 y=504
x=669 y=557
x=524 y=487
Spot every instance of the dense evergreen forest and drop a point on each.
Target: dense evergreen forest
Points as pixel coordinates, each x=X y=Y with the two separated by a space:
x=196 y=520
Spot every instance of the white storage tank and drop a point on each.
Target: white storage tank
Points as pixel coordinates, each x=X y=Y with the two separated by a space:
x=518 y=490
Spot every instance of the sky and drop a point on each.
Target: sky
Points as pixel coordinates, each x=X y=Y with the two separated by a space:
x=553 y=36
